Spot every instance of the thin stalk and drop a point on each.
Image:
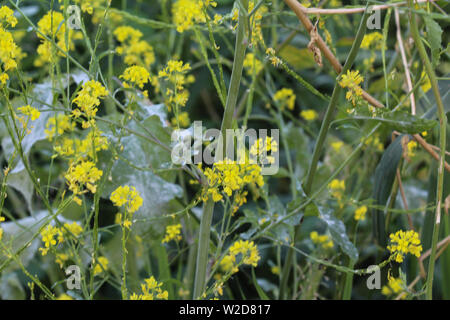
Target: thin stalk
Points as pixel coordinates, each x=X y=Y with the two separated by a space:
x=321 y=140
x=442 y=141
x=208 y=207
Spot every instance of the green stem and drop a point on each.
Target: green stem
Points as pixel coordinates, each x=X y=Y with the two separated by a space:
x=208 y=208
x=320 y=142
x=442 y=141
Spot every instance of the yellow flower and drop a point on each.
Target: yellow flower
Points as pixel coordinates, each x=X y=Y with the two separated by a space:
x=285 y=97
x=127 y=196
x=134 y=50
x=136 y=75
x=57 y=125
x=228 y=176
x=173 y=78
x=337 y=188
x=248 y=250
x=64 y=296
x=395 y=286
x=183 y=120
x=188 y=12
x=28 y=110
x=360 y=213
x=337 y=145
x=426 y=82
x=173 y=232
x=275 y=270
x=101 y=266
x=151 y=289
x=88 y=98
x=402 y=243
x=7 y=16
x=83 y=174
x=252 y=65
x=412 y=145
x=74 y=228
x=309 y=115
x=61 y=258
x=351 y=80
x=323 y=240
x=261 y=148
x=372 y=41
x=51 y=236
x=8 y=48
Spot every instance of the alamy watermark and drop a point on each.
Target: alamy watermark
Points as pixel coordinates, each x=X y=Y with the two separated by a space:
x=374 y=20
x=188 y=147
x=74 y=17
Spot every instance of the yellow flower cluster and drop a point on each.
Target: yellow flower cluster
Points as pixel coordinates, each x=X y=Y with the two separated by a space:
x=173 y=76
x=52 y=25
x=261 y=148
x=136 y=76
x=186 y=13
x=1 y=230
x=360 y=213
x=323 y=240
x=151 y=289
x=249 y=252
x=252 y=64
x=101 y=265
x=134 y=50
x=255 y=21
x=337 y=188
x=372 y=40
x=285 y=97
x=57 y=125
x=173 y=232
x=53 y=236
x=129 y=198
x=228 y=176
x=412 y=146
x=8 y=48
x=309 y=114
x=375 y=142
x=28 y=110
x=79 y=149
x=87 y=100
x=82 y=175
x=28 y=113
x=351 y=80
x=182 y=120
x=394 y=286
x=402 y=243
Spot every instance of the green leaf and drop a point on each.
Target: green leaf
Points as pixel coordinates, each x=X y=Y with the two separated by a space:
x=11 y=288
x=19 y=232
x=134 y=168
x=434 y=35
x=399 y=121
x=338 y=233
x=383 y=181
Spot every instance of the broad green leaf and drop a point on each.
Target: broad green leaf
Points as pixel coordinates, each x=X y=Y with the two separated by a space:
x=399 y=121
x=11 y=288
x=144 y=156
x=383 y=181
x=17 y=233
x=339 y=233
x=434 y=35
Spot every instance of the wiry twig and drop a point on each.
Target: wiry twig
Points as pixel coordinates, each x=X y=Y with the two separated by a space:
x=300 y=11
x=357 y=10
x=405 y=62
